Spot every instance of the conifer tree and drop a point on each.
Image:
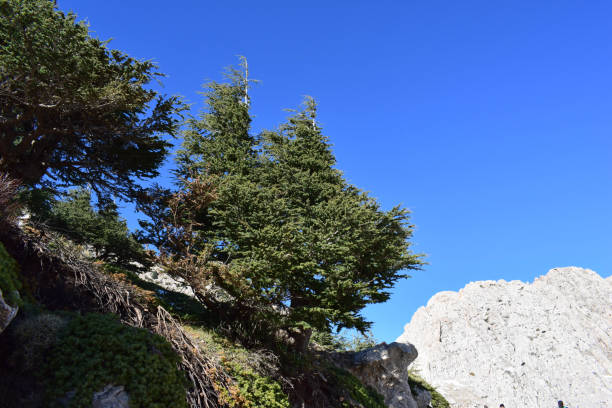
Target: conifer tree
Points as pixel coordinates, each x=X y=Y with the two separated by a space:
x=73 y=111
x=285 y=222
x=220 y=146
x=102 y=229
x=220 y=143
x=344 y=252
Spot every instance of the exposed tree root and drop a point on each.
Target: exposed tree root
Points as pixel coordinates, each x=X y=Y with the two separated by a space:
x=61 y=275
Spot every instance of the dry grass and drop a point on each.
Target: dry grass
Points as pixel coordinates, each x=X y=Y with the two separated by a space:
x=9 y=208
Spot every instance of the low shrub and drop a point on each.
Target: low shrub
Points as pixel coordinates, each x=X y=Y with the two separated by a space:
x=97 y=350
x=248 y=369
x=256 y=391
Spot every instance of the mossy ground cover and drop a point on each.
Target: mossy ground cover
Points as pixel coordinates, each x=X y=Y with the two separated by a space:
x=97 y=350
x=9 y=278
x=437 y=400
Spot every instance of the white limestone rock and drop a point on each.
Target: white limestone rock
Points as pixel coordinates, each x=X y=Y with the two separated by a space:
x=157 y=276
x=521 y=344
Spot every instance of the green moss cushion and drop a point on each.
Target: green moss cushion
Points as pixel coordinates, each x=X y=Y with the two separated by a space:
x=9 y=278
x=97 y=350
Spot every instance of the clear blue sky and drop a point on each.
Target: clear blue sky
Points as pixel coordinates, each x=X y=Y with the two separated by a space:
x=491 y=121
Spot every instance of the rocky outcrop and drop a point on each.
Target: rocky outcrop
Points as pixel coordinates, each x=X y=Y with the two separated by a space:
x=521 y=344
x=384 y=367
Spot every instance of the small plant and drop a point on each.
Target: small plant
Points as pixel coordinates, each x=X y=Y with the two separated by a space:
x=255 y=390
x=97 y=350
x=251 y=370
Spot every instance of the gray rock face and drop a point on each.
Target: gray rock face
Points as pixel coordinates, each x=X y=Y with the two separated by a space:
x=422 y=397
x=111 y=397
x=7 y=313
x=384 y=367
x=524 y=345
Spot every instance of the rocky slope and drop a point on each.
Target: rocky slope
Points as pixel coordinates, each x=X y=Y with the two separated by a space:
x=521 y=344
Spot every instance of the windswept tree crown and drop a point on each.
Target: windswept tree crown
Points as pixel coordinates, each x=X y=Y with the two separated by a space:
x=74 y=112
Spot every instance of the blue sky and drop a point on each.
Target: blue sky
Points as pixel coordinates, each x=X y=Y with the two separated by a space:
x=491 y=121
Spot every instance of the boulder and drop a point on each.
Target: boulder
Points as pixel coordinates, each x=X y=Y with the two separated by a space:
x=384 y=367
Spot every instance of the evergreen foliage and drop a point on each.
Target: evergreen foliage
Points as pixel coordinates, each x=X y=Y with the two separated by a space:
x=266 y=219
x=97 y=350
x=73 y=109
x=339 y=342
x=103 y=229
x=220 y=142
x=289 y=230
